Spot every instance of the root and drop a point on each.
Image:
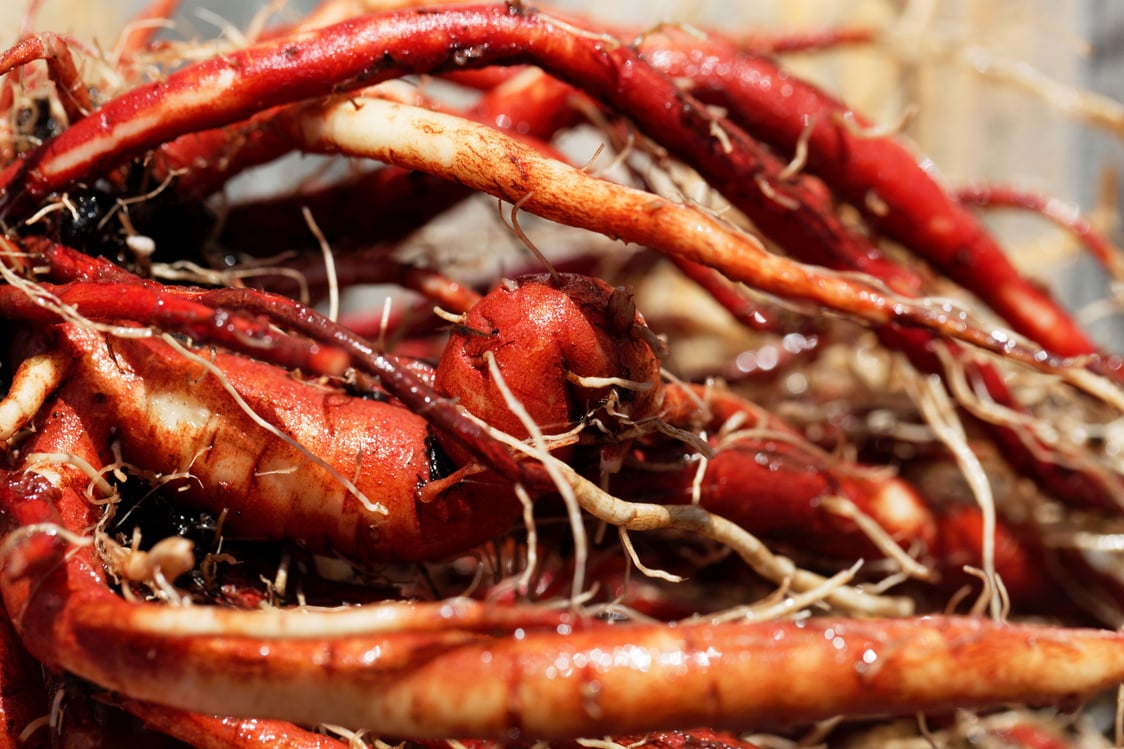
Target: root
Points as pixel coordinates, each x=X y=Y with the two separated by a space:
x=1046 y=439
x=36 y=460
x=541 y=452
x=373 y=507
x=701 y=212
x=314 y=623
x=788 y=605
x=329 y=265
x=485 y=160
x=66 y=312
x=13 y=564
x=940 y=415
x=1063 y=214
x=1086 y=106
x=36 y=378
x=878 y=536
x=156 y=568
x=637 y=516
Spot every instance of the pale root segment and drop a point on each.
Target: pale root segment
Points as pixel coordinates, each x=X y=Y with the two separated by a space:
x=491 y=162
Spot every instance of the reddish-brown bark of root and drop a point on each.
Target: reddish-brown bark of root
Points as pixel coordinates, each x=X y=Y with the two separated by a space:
x=780 y=109
x=543 y=333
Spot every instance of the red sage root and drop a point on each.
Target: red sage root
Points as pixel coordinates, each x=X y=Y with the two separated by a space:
x=236 y=520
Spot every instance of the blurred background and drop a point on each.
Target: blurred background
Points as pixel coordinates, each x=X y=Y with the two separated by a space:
x=1024 y=92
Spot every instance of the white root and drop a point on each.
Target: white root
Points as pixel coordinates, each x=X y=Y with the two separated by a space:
x=36 y=378
x=800 y=153
x=185 y=270
x=849 y=121
x=43 y=463
x=1049 y=441
x=630 y=550
x=156 y=568
x=785 y=605
x=940 y=414
x=528 y=506
x=540 y=450
x=374 y=507
x=1087 y=106
x=878 y=536
x=329 y=264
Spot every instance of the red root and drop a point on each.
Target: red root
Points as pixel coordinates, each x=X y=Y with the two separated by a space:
x=346 y=475
x=781 y=110
x=546 y=335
